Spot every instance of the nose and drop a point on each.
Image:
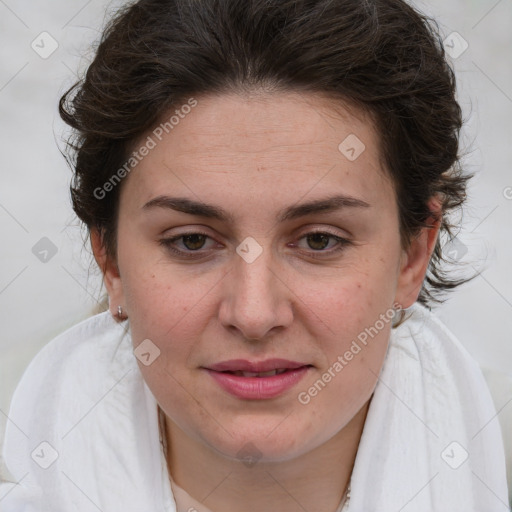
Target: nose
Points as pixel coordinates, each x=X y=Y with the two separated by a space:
x=256 y=300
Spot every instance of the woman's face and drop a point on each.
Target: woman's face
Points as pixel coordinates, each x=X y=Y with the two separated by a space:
x=293 y=253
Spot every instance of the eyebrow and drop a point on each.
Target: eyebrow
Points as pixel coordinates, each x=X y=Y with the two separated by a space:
x=201 y=209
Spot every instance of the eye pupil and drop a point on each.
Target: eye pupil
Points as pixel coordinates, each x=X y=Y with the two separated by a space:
x=318 y=238
x=193 y=240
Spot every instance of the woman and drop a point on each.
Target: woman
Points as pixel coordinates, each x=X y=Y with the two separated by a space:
x=265 y=185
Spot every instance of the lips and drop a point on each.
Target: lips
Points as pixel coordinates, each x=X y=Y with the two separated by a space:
x=242 y=365
x=257 y=380
x=270 y=373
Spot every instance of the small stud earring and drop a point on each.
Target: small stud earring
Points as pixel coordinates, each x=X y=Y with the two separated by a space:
x=120 y=313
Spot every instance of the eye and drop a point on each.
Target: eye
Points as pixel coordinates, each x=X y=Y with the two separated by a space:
x=192 y=245
x=194 y=241
x=318 y=241
x=191 y=242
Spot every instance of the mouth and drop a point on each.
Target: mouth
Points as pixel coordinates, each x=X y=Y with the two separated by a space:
x=256 y=367
x=270 y=373
x=257 y=380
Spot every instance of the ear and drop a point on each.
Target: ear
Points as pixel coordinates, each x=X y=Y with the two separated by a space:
x=111 y=276
x=416 y=257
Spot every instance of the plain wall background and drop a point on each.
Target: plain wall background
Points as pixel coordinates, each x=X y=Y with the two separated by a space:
x=40 y=299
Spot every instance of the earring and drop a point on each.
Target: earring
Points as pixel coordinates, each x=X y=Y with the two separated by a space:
x=120 y=313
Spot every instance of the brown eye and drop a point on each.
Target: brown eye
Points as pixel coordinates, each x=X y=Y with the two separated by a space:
x=322 y=244
x=318 y=241
x=188 y=245
x=194 y=241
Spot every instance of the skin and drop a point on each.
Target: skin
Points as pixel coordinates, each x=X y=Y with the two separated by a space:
x=254 y=155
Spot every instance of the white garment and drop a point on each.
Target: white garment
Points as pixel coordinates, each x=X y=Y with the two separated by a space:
x=84 y=395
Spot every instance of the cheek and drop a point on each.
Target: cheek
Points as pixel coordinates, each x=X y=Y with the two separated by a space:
x=357 y=309
x=336 y=392
x=162 y=298
x=354 y=298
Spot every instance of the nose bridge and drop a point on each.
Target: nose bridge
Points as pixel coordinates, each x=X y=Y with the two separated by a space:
x=255 y=280
x=256 y=301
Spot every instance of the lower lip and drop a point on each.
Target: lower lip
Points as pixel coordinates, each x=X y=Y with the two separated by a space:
x=258 y=388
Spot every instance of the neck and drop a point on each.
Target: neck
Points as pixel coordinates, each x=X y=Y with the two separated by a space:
x=315 y=481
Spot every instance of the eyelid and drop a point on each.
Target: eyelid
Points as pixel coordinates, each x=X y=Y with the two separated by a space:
x=341 y=243
x=168 y=244
x=322 y=230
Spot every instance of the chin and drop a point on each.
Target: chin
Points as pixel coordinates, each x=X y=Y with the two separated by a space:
x=265 y=444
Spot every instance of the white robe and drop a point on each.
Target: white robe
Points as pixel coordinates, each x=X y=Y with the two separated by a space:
x=83 y=435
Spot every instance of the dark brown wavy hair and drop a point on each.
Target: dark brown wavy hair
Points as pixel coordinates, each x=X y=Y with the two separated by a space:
x=382 y=56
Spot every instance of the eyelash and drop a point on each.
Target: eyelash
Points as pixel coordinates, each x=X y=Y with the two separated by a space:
x=190 y=254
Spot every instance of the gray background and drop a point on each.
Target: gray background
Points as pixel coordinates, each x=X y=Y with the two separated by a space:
x=39 y=299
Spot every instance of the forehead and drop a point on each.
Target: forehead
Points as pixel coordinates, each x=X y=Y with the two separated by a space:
x=236 y=142
x=259 y=122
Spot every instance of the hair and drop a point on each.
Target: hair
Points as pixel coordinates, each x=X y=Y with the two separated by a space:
x=381 y=56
